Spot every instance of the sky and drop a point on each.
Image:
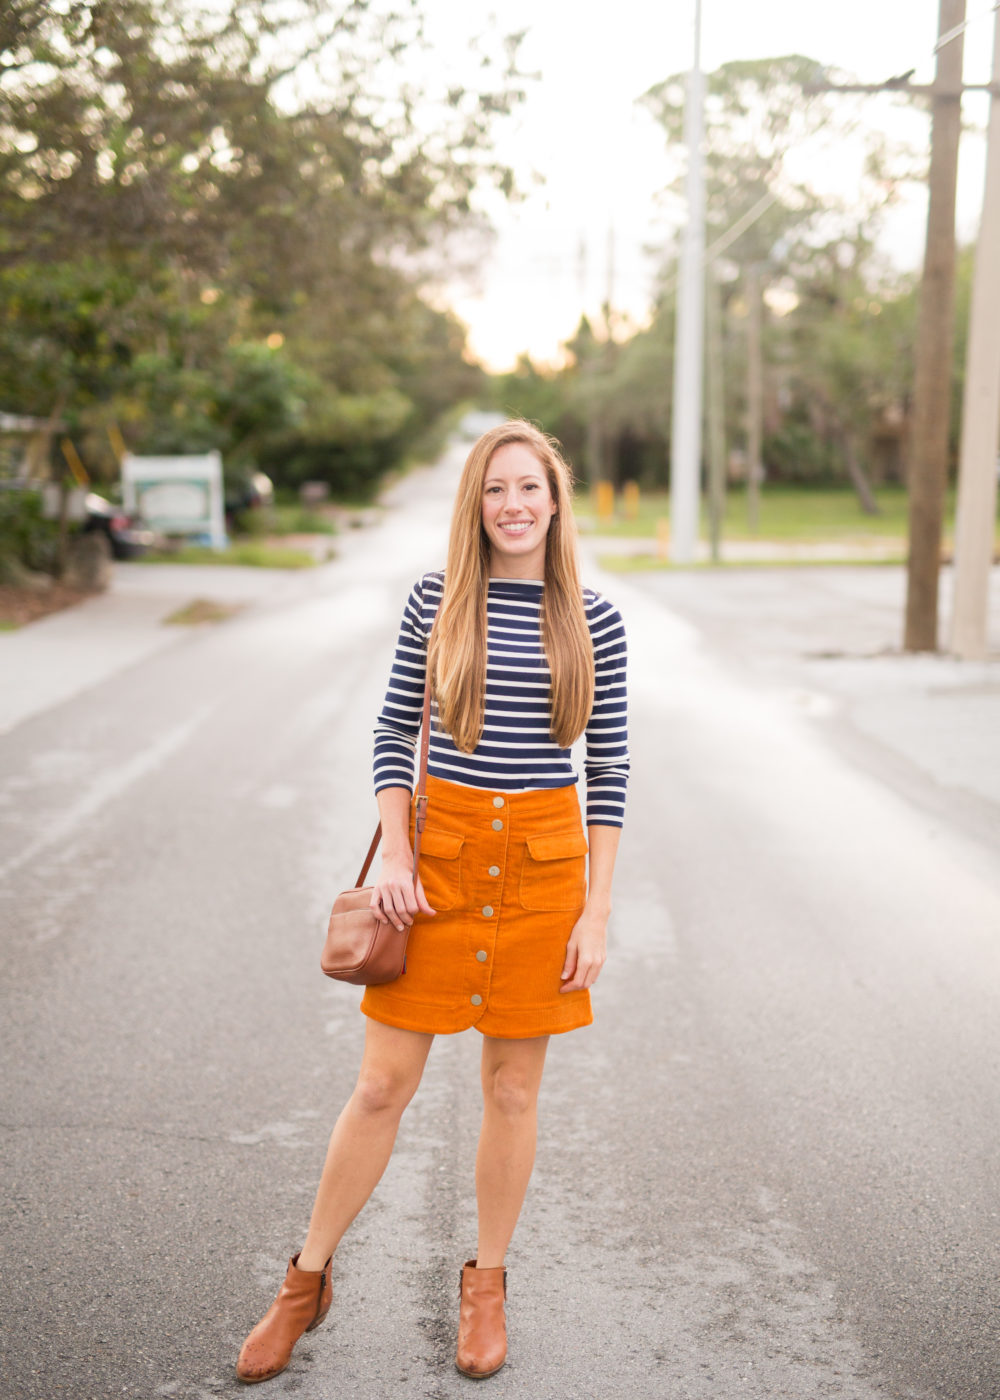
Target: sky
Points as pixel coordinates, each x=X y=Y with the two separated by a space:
x=594 y=165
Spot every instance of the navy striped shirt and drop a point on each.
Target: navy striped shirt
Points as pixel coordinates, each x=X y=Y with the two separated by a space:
x=516 y=751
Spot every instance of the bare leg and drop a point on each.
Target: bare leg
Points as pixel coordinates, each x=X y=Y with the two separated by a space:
x=512 y=1074
x=363 y=1136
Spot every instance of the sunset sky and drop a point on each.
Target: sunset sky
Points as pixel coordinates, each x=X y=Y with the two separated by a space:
x=603 y=163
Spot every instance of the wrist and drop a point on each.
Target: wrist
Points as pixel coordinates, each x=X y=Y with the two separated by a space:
x=598 y=907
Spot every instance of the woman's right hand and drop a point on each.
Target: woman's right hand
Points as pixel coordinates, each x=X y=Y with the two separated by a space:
x=394 y=899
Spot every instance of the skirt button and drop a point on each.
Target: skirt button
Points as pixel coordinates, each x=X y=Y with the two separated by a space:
x=482 y=955
x=487 y=911
x=494 y=870
x=476 y=1000
x=498 y=802
x=497 y=824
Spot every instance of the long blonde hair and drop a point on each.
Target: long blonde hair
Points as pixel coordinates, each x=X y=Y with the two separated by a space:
x=457 y=652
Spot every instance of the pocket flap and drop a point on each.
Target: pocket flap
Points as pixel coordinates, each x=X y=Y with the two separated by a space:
x=561 y=845
x=441 y=845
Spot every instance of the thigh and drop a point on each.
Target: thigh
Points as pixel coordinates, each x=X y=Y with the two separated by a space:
x=523 y=1059
x=393 y=1056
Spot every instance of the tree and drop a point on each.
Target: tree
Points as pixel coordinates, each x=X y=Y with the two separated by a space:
x=166 y=193
x=783 y=236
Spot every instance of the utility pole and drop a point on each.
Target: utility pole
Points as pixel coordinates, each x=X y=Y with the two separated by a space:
x=928 y=469
x=755 y=394
x=977 y=471
x=716 y=414
x=685 y=437
x=935 y=331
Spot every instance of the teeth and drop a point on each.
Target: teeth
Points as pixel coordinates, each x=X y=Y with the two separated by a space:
x=518 y=528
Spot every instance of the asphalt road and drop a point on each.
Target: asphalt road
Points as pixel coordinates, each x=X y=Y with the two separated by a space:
x=768 y=1170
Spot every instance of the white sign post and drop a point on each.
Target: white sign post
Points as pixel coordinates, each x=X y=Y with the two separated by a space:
x=177 y=495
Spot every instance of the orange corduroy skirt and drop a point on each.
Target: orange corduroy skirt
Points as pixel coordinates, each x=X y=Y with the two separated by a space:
x=506 y=872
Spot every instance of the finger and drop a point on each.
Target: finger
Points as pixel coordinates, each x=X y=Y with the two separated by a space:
x=422 y=903
x=394 y=908
x=398 y=913
x=586 y=974
x=569 y=966
x=411 y=900
x=593 y=971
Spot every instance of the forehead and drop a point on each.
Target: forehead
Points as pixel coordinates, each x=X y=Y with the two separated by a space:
x=514 y=460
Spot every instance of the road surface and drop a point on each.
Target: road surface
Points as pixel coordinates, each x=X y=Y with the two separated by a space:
x=768 y=1170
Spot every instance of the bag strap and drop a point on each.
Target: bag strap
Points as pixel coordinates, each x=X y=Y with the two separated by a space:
x=421 y=796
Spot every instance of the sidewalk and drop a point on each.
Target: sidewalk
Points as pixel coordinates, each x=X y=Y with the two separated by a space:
x=827 y=643
x=49 y=662
x=60 y=656
x=869 y=551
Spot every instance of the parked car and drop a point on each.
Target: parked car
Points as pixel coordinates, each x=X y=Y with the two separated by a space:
x=126 y=534
x=247 y=490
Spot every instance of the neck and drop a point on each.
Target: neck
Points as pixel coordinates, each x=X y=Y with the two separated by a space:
x=528 y=568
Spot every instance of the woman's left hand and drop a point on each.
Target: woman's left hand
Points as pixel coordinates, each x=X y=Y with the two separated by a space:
x=585 y=952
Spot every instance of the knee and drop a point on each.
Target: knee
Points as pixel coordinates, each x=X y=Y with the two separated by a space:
x=510 y=1092
x=380 y=1092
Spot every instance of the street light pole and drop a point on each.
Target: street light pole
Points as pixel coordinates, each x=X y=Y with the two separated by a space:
x=977 y=471
x=685 y=438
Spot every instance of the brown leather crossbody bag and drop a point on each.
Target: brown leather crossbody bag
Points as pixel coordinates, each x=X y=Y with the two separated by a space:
x=359 y=947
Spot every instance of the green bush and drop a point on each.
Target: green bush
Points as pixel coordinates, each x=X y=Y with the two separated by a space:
x=27 y=541
x=797 y=454
x=283 y=519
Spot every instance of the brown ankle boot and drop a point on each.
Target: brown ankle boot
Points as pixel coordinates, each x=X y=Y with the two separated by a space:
x=482 y=1327
x=302 y=1303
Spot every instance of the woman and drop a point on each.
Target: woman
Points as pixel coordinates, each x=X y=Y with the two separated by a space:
x=506 y=929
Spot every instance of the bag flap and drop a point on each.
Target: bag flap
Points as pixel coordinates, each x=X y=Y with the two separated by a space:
x=441 y=845
x=561 y=845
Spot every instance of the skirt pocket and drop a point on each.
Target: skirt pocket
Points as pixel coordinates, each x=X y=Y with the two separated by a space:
x=554 y=874
x=441 y=868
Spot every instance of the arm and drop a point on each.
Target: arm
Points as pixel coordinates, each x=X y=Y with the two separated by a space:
x=394 y=898
x=607 y=768
x=607 y=761
x=587 y=947
x=399 y=721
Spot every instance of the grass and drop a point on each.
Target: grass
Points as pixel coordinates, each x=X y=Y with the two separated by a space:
x=643 y=563
x=287 y=518
x=253 y=553
x=787 y=514
x=202 y=610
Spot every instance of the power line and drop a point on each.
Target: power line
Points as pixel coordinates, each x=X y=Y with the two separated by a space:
x=745 y=221
x=953 y=34
x=727 y=239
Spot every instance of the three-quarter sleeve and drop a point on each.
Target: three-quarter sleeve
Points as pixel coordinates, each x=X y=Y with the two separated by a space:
x=399 y=721
x=607 y=758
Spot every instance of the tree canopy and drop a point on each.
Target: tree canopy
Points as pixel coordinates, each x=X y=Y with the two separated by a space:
x=837 y=324
x=217 y=222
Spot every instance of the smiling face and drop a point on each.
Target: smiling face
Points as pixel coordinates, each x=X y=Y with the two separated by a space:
x=517 y=511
